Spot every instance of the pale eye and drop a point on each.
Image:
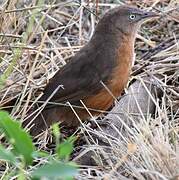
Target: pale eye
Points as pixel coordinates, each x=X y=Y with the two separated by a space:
x=132 y=16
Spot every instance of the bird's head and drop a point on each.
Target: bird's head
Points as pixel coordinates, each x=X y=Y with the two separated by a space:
x=125 y=19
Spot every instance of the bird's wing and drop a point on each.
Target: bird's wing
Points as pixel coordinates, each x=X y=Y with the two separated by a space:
x=79 y=78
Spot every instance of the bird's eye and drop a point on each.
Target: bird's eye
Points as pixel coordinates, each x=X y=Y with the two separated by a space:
x=132 y=16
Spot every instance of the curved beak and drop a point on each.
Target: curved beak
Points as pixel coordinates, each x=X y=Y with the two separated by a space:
x=148 y=15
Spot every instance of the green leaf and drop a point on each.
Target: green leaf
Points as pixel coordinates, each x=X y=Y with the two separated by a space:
x=7 y=155
x=40 y=154
x=20 y=140
x=56 y=130
x=56 y=169
x=64 y=149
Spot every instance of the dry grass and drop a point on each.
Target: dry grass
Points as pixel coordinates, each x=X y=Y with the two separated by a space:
x=38 y=39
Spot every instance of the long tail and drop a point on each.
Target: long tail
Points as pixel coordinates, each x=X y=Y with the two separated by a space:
x=35 y=123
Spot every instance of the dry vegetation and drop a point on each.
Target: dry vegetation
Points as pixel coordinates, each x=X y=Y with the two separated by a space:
x=38 y=38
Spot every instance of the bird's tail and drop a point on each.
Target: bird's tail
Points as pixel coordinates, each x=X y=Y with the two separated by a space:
x=34 y=122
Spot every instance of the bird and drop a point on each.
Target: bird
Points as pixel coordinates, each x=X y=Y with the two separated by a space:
x=96 y=75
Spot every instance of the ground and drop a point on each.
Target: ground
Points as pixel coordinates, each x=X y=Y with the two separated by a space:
x=37 y=39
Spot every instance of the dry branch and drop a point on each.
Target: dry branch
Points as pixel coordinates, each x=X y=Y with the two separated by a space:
x=139 y=104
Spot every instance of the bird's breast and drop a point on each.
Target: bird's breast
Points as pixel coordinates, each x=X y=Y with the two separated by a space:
x=116 y=82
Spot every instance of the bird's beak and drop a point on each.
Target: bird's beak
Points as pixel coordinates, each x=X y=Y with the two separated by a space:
x=148 y=15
